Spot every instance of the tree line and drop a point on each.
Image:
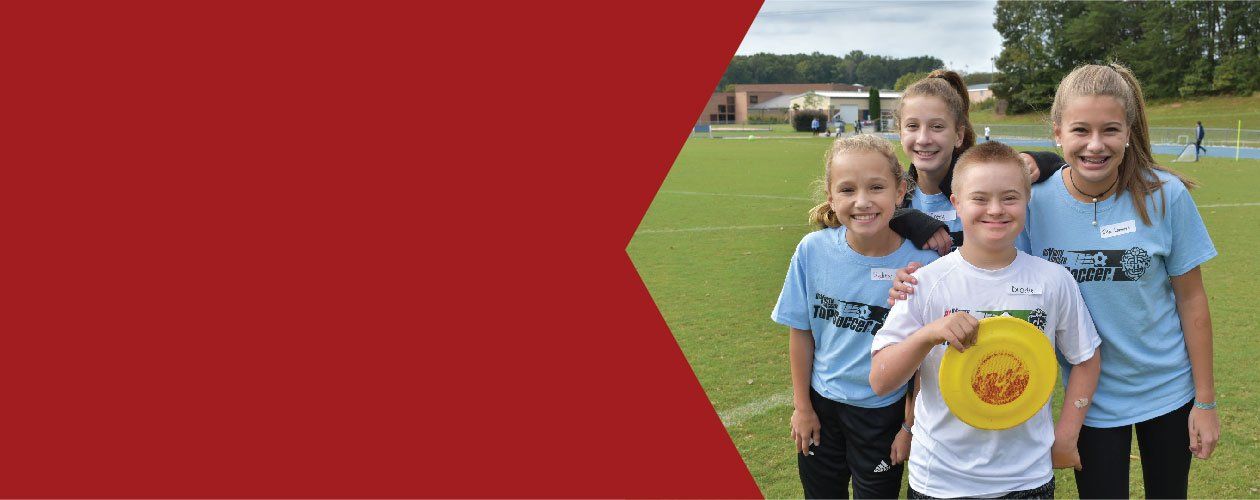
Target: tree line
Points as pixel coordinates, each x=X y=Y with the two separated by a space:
x=1175 y=48
x=855 y=67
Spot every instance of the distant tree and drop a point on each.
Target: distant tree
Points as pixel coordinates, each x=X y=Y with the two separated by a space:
x=978 y=78
x=907 y=79
x=872 y=103
x=814 y=101
x=1238 y=74
x=1175 y=48
x=854 y=67
x=1027 y=69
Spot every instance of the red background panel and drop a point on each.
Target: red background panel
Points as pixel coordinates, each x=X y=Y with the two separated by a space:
x=357 y=249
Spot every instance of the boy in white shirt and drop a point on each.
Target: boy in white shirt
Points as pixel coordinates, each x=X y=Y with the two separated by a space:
x=988 y=276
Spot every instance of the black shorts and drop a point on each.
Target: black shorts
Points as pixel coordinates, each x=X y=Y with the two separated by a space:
x=855 y=444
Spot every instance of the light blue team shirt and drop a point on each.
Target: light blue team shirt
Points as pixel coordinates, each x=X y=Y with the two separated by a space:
x=841 y=296
x=938 y=206
x=1123 y=267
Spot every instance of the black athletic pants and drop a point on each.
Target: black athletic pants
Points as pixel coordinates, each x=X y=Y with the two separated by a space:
x=1164 y=444
x=855 y=444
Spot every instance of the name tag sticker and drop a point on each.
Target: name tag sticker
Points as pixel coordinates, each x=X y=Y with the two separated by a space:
x=1112 y=230
x=1018 y=289
x=944 y=216
x=881 y=274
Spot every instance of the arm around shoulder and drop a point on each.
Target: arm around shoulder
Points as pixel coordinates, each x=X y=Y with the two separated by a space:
x=914 y=225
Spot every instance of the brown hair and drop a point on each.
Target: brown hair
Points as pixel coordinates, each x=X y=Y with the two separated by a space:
x=822 y=214
x=991 y=153
x=1137 y=166
x=947 y=86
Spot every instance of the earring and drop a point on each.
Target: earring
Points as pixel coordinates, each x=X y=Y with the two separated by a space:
x=1057 y=145
x=1126 y=145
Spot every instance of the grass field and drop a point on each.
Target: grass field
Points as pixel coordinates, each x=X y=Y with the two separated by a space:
x=714 y=247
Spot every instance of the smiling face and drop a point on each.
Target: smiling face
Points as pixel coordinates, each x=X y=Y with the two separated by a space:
x=1093 y=131
x=991 y=200
x=929 y=133
x=863 y=192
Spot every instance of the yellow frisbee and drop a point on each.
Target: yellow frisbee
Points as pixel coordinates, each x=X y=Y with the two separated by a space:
x=1002 y=380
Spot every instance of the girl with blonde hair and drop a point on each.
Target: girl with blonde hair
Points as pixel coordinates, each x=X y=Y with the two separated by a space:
x=832 y=303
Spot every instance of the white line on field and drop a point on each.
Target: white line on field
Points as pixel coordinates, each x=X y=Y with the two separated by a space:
x=736 y=416
x=772 y=197
x=714 y=228
x=801 y=198
x=1227 y=205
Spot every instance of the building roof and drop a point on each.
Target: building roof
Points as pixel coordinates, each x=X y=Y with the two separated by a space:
x=778 y=102
x=795 y=88
x=979 y=86
x=883 y=94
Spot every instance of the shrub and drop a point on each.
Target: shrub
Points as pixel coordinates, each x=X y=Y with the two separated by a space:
x=768 y=119
x=989 y=103
x=803 y=119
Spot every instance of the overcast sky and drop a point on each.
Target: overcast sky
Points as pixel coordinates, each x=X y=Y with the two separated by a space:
x=960 y=33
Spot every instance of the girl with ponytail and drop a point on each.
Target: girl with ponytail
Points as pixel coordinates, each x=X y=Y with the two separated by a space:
x=935 y=130
x=832 y=303
x=1129 y=232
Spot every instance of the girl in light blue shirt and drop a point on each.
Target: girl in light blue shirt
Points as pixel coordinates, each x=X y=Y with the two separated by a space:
x=832 y=303
x=1129 y=232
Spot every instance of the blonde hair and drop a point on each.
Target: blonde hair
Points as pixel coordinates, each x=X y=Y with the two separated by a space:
x=991 y=153
x=949 y=87
x=1137 y=166
x=822 y=215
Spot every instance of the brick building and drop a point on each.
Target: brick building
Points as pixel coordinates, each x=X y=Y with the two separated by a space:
x=733 y=107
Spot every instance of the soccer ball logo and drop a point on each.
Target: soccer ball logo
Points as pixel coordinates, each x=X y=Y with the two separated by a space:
x=1135 y=262
x=1038 y=319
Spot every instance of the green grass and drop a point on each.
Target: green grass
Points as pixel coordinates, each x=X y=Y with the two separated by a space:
x=716 y=287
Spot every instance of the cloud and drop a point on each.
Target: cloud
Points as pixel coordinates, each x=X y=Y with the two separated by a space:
x=958 y=32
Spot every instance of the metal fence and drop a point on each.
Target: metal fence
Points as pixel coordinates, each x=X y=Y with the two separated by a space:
x=1249 y=138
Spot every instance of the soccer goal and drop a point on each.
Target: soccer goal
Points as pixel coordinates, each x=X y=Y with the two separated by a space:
x=1187 y=154
x=701 y=130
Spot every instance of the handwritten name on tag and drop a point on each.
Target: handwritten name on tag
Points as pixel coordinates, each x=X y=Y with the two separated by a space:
x=881 y=274
x=944 y=216
x=1016 y=289
x=1112 y=230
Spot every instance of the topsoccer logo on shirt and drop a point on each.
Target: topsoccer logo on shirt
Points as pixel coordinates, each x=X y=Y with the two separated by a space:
x=856 y=316
x=1101 y=265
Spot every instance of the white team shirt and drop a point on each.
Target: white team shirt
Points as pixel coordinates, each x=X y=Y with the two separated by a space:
x=949 y=458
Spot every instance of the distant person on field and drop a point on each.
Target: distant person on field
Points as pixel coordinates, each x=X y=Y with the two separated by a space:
x=832 y=303
x=1198 y=139
x=857 y=127
x=813 y=125
x=986 y=134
